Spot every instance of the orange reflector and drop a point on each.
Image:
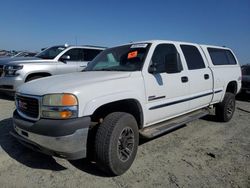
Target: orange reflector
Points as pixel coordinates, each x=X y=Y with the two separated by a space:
x=65 y=114
x=132 y=54
x=69 y=100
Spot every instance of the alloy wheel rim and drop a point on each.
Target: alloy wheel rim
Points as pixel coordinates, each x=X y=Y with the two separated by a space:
x=230 y=108
x=125 y=145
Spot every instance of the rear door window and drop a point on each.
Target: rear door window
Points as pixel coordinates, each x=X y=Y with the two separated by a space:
x=193 y=57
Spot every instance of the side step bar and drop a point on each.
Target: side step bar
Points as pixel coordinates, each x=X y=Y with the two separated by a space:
x=172 y=124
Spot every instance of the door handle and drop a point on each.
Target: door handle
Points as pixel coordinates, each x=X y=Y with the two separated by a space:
x=206 y=76
x=184 y=79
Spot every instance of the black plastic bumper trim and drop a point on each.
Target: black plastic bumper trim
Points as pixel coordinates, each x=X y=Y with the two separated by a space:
x=36 y=147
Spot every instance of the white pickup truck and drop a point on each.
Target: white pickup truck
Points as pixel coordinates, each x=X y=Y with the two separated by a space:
x=145 y=88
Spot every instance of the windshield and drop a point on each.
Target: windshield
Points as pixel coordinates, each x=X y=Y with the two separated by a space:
x=123 y=58
x=246 y=70
x=51 y=53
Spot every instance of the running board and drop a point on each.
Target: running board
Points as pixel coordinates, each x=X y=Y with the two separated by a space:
x=172 y=124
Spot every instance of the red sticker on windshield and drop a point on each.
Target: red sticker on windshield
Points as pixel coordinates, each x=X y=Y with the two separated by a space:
x=132 y=54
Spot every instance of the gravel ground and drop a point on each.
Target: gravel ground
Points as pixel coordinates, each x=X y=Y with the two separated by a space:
x=204 y=153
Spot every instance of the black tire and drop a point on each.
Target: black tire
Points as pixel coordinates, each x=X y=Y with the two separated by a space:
x=116 y=143
x=33 y=78
x=224 y=110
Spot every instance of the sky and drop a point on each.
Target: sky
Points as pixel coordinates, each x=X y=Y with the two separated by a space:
x=33 y=24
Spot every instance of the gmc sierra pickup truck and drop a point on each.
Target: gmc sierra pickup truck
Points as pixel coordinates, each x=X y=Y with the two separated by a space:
x=52 y=61
x=145 y=88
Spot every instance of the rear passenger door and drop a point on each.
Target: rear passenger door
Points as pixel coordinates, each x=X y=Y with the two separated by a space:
x=200 y=77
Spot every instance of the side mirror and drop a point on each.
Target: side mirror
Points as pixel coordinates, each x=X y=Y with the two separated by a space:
x=152 y=69
x=65 y=58
x=173 y=63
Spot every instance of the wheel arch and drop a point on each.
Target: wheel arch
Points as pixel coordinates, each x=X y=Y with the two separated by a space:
x=43 y=74
x=128 y=105
x=232 y=87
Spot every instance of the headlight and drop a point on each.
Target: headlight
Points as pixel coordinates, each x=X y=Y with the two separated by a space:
x=59 y=106
x=10 y=70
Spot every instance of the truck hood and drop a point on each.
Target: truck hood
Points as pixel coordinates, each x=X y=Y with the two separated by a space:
x=22 y=60
x=69 y=83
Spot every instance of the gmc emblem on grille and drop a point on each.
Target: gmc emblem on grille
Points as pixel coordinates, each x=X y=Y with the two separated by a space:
x=22 y=105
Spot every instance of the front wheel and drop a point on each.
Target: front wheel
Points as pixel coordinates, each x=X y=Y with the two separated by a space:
x=224 y=110
x=116 y=143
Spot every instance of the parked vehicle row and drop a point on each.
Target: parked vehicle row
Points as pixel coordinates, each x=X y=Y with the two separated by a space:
x=143 y=88
x=9 y=54
x=52 y=61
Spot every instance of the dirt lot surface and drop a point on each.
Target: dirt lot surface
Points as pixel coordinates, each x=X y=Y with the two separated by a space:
x=204 y=153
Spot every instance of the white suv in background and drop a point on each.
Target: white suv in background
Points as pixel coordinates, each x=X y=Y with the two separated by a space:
x=51 y=61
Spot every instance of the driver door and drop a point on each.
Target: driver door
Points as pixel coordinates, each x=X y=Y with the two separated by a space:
x=166 y=87
x=69 y=61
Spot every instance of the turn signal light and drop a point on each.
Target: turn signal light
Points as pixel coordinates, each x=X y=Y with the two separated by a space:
x=65 y=114
x=69 y=100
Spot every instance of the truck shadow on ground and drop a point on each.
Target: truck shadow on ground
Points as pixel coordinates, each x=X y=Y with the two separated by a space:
x=89 y=167
x=210 y=117
x=22 y=154
x=243 y=97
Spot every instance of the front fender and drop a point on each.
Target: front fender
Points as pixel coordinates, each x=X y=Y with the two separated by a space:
x=38 y=68
x=28 y=73
x=94 y=104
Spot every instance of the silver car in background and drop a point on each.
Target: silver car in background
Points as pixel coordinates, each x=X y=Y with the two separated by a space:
x=52 y=61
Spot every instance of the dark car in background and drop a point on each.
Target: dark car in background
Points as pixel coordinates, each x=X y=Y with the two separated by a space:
x=245 y=88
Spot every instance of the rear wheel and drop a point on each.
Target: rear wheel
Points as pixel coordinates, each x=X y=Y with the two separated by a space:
x=224 y=111
x=116 y=143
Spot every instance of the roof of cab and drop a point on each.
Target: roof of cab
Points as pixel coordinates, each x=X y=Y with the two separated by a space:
x=86 y=46
x=175 y=42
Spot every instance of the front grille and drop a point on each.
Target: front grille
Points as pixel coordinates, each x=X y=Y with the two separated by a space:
x=28 y=106
x=1 y=70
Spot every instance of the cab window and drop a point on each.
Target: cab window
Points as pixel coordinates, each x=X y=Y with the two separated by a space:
x=75 y=54
x=165 y=59
x=193 y=57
